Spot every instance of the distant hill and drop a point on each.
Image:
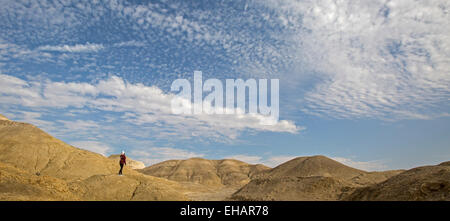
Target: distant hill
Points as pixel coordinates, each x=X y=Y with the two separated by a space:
x=133 y=164
x=308 y=178
x=226 y=172
x=421 y=183
x=29 y=153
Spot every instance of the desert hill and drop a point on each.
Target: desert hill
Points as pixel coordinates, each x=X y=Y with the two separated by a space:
x=314 y=166
x=133 y=164
x=308 y=178
x=29 y=153
x=421 y=183
x=226 y=172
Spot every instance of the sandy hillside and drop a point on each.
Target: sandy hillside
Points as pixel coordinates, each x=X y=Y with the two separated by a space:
x=308 y=178
x=29 y=153
x=208 y=172
x=421 y=183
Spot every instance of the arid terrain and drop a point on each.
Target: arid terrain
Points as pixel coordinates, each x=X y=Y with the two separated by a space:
x=36 y=166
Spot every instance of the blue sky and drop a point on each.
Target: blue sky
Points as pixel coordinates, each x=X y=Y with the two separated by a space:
x=364 y=82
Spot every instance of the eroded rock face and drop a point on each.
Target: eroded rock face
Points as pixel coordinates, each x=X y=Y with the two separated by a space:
x=208 y=172
x=133 y=164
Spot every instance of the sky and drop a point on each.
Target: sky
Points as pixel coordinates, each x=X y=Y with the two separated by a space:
x=366 y=83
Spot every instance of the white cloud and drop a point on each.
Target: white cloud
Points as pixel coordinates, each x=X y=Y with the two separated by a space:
x=132 y=43
x=93 y=146
x=246 y=158
x=276 y=160
x=380 y=59
x=154 y=16
x=155 y=155
x=271 y=161
x=149 y=105
x=158 y=154
x=16 y=87
x=80 y=125
x=33 y=118
x=72 y=48
x=375 y=165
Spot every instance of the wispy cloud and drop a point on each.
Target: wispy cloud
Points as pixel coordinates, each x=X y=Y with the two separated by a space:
x=78 y=48
x=377 y=59
x=276 y=160
x=93 y=146
x=373 y=165
x=155 y=155
x=141 y=105
x=271 y=161
x=246 y=158
x=370 y=59
x=132 y=43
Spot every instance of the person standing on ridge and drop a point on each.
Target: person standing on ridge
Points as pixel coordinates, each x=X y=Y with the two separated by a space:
x=123 y=161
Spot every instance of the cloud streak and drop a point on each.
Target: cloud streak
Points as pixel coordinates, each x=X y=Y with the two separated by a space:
x=155 y=155
x=78 y=48
x=374 y=165
x=93 y=146
x=275 y=160
x=140 y=105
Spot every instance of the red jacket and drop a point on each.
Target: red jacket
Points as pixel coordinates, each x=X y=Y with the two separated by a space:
x=123 y=159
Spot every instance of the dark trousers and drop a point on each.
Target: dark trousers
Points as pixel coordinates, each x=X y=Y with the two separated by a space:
x=121 y=167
